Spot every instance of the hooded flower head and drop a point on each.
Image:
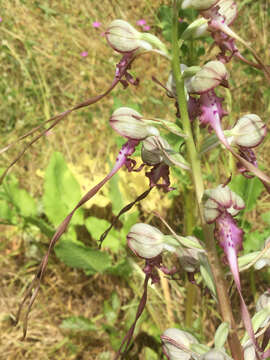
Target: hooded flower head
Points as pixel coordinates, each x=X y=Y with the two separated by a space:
x=145 y=241
x=198 y=4
x=176 y=344
x=130 y=124
x=249 y=131
x=124 y=38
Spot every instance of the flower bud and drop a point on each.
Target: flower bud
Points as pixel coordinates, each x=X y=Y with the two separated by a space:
x=220 y=199
x=173 y=336
x=190 y=259
x=151 y=153
x=210 y=76
x=196 y=30
x=227 y=10
x=129 y=123
x=263 y=301
x=249 y=131
x=215 y=355
x=198 y=4
x=265 y=260
x=145 y=240
x=171 y=83
x=249 y=351
x=124 y=38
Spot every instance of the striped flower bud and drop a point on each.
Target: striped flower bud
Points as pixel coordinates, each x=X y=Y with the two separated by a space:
x=210 y=76
x=145 y=240
x=151 y=153
x=249 y=131
x=249 y=351
x=130 y=124
x=124 y=38
x=183 y=339
x=263 y=301
x=198 y=4
x=219 y=200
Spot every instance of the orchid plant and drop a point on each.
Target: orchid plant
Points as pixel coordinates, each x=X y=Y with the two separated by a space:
x=194 y=90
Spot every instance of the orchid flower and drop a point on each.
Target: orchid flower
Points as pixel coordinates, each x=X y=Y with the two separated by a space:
x=220 y=207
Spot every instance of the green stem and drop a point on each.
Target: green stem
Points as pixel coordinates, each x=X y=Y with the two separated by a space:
x=222 y=292
x=189 y=221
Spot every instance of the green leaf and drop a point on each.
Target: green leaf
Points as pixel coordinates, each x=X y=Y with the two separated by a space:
x=122 y=268
x=78 y=323
x=25 y=203
x=77 y=255
x=115 y=194
x=6 y=213
x=221 y=335
x=61 y=192
x=248 y=189
x=266 y=217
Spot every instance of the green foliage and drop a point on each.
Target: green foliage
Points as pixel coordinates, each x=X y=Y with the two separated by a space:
x=77 y=255
x=61 y=192
x=248 y=189
x=78 y=323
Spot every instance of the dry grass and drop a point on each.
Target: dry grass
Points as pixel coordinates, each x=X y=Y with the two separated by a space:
x=44 y=74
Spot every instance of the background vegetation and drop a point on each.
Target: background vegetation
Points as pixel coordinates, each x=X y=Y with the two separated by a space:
x=83 y=309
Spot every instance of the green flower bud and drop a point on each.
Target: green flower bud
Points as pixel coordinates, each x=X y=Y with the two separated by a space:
x=198 y=4
x=124 y=38
x=145 y=240
x=196 y=30
x=129 y=123
x=249 y=131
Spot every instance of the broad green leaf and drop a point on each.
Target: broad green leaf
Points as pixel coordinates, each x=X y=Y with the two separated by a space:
x=78 y=323
x=6 y=213
x=61 y=192
x=96 y=228
x=122 y=269
x=25 y=203
x=248 y=189
x=77 y=255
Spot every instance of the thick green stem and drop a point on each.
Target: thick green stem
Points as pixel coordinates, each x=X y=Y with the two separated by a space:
x=222 y=292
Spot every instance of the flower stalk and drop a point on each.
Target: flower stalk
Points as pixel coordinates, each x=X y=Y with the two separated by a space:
x=196 y=174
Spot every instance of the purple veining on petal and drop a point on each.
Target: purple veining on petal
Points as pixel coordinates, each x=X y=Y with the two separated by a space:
x=230 y=237
x=212 y=113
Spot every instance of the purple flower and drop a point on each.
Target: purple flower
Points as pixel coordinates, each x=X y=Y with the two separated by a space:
x=96 y=24
x=84 y=53
x=146 y=28
x=141 y=22
x=1 y=19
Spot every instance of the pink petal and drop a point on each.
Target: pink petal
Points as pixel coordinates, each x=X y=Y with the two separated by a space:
x=141 y=22
x=146 y=27
x=96 y=24
x=84 y=54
